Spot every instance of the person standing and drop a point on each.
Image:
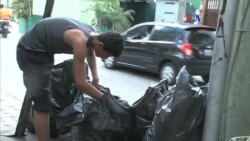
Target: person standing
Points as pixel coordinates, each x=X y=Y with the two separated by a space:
x=35 y=57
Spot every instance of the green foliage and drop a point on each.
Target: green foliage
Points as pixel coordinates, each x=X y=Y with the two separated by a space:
x=190 y=8
x=22 y=8
x=195 y=3
x=110 y=15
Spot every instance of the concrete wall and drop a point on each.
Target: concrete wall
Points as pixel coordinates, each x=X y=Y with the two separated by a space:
x=76 y=9
x=67 y=8
x=196 y=3
x=86 y=14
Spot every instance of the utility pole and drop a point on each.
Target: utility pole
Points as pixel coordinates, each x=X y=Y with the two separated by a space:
x=227 y=110
x=236 y=111
x=219 y=67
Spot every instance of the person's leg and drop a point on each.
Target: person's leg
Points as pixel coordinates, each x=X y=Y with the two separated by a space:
x=38 y=87
x=41 y=121
x=36 y=69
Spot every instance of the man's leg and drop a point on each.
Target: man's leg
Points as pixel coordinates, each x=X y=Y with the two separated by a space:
x=41 y=121
x=38 y=87
x=36 y=67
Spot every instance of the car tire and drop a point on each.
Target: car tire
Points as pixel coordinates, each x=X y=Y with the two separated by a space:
x=168 y=71
x=109 y=62
x=4 y=34
x=205 y=78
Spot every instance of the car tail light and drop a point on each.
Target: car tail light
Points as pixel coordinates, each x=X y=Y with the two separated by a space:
x=187 y=49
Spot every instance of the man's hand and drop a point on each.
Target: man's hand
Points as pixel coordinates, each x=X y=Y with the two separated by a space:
x=95 y=82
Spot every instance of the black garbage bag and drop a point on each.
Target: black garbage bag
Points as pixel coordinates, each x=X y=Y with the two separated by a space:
x=74 y=113
x=180 y=112
x=103 y=117
x=81 y=132
x=96 y=115
x=75 y=107
x=144 y=108
x=146 y=105
x=61 y=84
x=85 y=132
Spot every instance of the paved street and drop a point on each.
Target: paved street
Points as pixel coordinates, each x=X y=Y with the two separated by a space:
x=128 y=84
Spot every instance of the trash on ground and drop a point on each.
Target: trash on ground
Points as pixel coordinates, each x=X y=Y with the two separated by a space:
x=161 y=114
x=180 y=112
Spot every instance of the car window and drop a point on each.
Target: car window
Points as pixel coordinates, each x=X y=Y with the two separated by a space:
x=164 y=33
x=140 y=32
x=201 y=36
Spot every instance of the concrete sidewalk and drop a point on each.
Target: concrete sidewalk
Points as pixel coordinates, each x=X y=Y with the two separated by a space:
x=10 y=107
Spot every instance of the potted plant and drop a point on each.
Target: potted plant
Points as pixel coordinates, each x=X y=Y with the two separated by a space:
x=22 y=9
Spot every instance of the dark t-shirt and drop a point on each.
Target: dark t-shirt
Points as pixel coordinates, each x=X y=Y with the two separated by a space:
x=48 y=35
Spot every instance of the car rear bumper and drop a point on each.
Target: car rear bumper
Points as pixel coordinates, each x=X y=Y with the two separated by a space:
x=199 y=67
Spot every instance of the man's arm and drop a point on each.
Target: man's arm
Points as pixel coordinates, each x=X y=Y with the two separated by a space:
x=91 y=59
x=78 y=41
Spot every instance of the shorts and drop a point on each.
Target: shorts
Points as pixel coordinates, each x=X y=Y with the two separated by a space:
x=37 y=70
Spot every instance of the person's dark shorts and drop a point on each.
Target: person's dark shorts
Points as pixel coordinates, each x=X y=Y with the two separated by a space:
x=37 y=69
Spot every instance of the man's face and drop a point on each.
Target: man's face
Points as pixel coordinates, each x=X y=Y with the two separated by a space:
x=100 y=52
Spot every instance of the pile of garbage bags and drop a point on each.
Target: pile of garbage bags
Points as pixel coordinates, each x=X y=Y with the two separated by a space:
x=163 y=113
x=180 y=112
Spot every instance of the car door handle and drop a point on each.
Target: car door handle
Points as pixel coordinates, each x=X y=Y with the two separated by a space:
x=142 y=43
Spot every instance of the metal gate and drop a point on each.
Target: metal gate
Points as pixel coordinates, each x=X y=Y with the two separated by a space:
x=211 y=12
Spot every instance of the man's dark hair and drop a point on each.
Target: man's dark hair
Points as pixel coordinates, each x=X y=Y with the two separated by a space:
x=113 y=43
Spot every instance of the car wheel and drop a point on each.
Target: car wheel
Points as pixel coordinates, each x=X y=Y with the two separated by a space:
x=168 y=71
x=109 y=62
x=4 y=34
x=205 y=78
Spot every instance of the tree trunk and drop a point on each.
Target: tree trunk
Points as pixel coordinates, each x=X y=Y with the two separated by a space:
x=48 y=8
